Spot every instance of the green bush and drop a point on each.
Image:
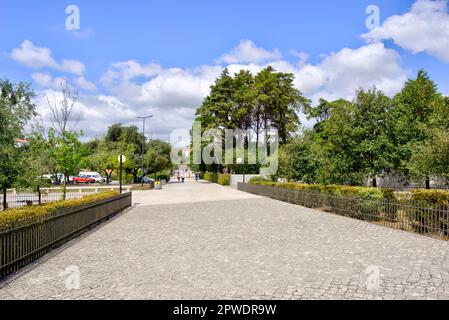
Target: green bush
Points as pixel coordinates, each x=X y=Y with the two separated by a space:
x=20 y=216
x=438 y=202
x=163 y=177
x=224 y=179
x=211 y=177
x=365 y=202
x=431 y=198
x=254 y=180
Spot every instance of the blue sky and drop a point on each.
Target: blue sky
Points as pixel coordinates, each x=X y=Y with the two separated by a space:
x=146 y=56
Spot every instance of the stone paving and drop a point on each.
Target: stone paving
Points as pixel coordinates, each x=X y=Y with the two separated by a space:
x=244 y=247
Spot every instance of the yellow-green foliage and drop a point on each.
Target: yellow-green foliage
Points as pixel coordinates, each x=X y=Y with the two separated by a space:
x=224 y=179
x=431 y=198
x=345 y=191
x=24 y=215
x=258 y=179
x=211 y=177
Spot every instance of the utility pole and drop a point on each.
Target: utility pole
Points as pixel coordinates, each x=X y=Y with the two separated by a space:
x=143 y=144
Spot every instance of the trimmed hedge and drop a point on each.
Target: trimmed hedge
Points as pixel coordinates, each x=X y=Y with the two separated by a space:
x=211 y=177
x=258 y=179
x=347 y=191
x=436 y=217
x=431 y=198
x=24 y=215
x=163 y=177
x=224 y=179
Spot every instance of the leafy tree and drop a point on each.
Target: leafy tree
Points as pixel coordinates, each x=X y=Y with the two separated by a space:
x=296 y=159
x=130 y=143
x=33 y=161
x=157 y=158
x=67 y=152
x=16 y=109
x=414 y=106
x=277 y=102
x=431 y=157
x=104 y=158
x=372 y=129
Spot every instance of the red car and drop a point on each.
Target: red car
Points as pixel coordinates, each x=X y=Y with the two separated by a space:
x=83 y=179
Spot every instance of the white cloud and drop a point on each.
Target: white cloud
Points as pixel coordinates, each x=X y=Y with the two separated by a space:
x=45 y=80
x=84 y=84
x=247 y=52
x=340 y=74
x=173 y=94
x=33 y=57
x=40 y=57
x=128 y=70
x=425 y=28
x=72 y=66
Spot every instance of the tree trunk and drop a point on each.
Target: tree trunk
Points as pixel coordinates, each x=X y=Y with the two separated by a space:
x=39 y=194
x=427 y=183
x=5 y=204
x=374 y=182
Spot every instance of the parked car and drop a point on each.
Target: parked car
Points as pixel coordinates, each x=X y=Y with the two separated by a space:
x=83 y=179
x=147 y=180
x=54 y=179
x=94 y=175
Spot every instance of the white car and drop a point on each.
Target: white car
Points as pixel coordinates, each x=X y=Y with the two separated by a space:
x=94 y=175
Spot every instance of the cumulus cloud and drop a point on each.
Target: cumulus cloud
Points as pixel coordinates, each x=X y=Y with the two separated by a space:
x=247 y=52
x=128 y=70
x=40 y=57
x=131 y=88
x=341 y=73
x=33 y=57
x=45 y=80
x=84 y=84
x=425 y=28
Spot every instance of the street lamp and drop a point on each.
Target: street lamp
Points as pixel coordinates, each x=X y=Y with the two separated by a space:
x=143 y=144
x=240 y=161
x=121 y=159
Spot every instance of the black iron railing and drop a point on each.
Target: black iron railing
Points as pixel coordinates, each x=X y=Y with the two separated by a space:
x=21 y=245
x=20 y=199
x=404 y=215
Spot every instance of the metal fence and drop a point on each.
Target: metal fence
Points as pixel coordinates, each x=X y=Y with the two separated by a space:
x=22 y=245
x=20 y=199
x=405 y=215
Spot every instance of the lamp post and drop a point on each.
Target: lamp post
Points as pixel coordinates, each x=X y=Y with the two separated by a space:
x=121 y=159
x=241 y=162
x=143 y=144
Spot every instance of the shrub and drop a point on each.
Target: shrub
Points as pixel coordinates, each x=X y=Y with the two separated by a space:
x=211 y=177
x=19 y=216
x=224 y=179
x=163 y=177
x=254 y=180
x=365 y=202
x=438 y=203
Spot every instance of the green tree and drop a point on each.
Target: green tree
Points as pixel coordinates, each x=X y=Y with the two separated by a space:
x=414 y=107
x=277 y=103
x=67 y=152
x=16 y=108
x=130 y=143
x=104 y=159
x=296 y=159
x=157 y=158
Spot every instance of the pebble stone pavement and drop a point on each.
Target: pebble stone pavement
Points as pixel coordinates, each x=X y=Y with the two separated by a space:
x=203 y=241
